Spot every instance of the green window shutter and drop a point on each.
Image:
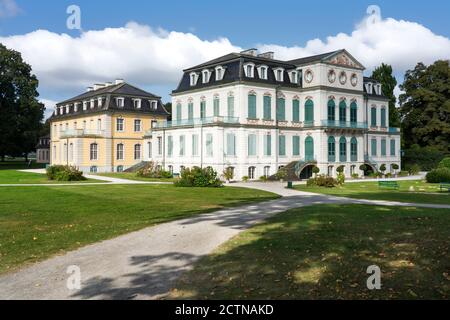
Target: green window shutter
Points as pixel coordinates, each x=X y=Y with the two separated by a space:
x=267 y=145
x=195 y=144
x=331 y=149
x=203 y=109
x=383 y=117
x=342 y=149
x=252 y=145
x=392 y=147
x=373 y=117
x=309 y=149
x=331 y=110
x=296 y=145
x=281 y=109
x=209 y=145
x=231 y=144
x=169 y=146
x=190 y=111
x=281 y=145
x=251 y=106
x=182 y=146
x=353 y=112
x=230 y=105
x=383 y=147
x=374 y=147
x=267 y=108
x=309 y=111
x=178 y=112
x=216 y=107
x=295 y=110
x=342 y=111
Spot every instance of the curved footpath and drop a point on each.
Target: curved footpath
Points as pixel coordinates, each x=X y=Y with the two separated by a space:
x=145 y=264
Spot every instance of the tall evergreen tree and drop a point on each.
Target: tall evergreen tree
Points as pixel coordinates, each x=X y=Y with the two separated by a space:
x=20 y=112
x=425 y=106
x=383 y=74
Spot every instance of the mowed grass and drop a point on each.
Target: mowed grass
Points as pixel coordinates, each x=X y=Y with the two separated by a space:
x=20 y=164
x=323 y=252
x=18 y=177
x=133 y=176
x=423 y=192
x=38 y=222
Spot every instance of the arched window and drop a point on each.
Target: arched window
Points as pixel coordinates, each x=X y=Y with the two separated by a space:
x=216 y=106
x=373 y=117
x=251 y=106
x=342 y=149
x=178 y=112
x=93 y=151
x=309 y=112
x=267 y=112
x=295 y=110
x=137 y=151
x=331 y=149
x=309 y=149
x=353 y=112
x=251 y=172
x=331 y=110
x=342 y=111
x=353 y=149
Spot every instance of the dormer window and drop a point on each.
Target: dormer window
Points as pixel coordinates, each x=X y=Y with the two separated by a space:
x=249 y=70
x=206 y=74
x=369 y=88
x=262 y=71
x=75 y=107
x=100 y=102
x=120 y=102
x=293 y=75
x=92 y=104
x=153 y=105
x=137 y=103
x=279 y=74
x=377 y=88
x=85 y=104
x=220 y=72
x=194 y=78
x=67 y=109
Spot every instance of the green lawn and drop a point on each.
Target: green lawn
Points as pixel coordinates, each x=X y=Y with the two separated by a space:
x=322 y=252
x=132 y=176
x=19 y=164
x=37 y=222
x=423 y=192
x=18 y=177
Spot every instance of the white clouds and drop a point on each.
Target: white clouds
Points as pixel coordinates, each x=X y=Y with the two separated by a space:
x=49 y=107
x=8 y=8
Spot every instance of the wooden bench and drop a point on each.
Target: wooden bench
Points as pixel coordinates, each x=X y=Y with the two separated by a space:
x=388 y=185
x=444 y=186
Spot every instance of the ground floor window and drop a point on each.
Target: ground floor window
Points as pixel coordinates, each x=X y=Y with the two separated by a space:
x=119 y=168
x=352 y=169
x=93 y=151
x=330 y=171
x=171 y=169
x=266 y=171
x=93 y=169
x=251 y=172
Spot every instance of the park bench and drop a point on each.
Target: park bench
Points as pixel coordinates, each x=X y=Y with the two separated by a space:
x=444 y=186
x=388 y=185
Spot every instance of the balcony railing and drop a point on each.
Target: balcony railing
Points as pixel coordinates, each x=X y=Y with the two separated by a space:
x=81 y=133
x=195 y=122
x=394 y=130
x=344 y=124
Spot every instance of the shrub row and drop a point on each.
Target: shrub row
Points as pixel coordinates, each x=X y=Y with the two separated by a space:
x=151 y=170
x=322 y=181
x=198 y=177
x=439 y=175
x=64 y=173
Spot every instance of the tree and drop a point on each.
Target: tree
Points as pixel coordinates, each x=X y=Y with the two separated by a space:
x=425 y=106
x=383 y=74
x=20 y=112
x=168 y=107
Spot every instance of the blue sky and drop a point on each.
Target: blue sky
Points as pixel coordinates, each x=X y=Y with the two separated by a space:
x=285 y=26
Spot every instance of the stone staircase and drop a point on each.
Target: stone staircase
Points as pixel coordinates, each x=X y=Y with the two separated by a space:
x=293 y=170
x=137 y=166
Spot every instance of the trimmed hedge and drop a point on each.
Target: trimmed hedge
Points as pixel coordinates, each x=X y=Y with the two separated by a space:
x=438 y=175
x=198 y=177
x=322 y=181
x=445 y=163
x=64 y=173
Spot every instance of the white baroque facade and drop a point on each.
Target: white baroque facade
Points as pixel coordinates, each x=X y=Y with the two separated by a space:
x=256 y=114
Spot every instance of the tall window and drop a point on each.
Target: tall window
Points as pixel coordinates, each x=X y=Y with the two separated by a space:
x=169 y=146
x=182 y=145
x=331 y=110
x=353 y=112
x=281 y=109
x=216 y=107
x=267 y=145
x=119 y=154
x=281 y=145
x=209 y=145
x=70 y=152
x=195 y=145
x=178 y=111
x=231 y=144
x=266 y=171
x=252 y=145
x=309 y=111
x=373 y=147
x=137 y=151
x=251 y=106
x=383 y=147
x=119 y=124
x=137 y=125
x=267 y=112
x=331 y=149
x=353 y=149
x=136 y=103
x=149 y=146
x=392 y=147
x=251 y=172
x=383 y=117
x=342 y=111
x=203 y=109
x=309 y=149
x=93 y=151
x=160 y=146
x=373 y=117
x=295 y=145
x=190 y=111
x=295 y=110
x=342 y=149
x=230 y=106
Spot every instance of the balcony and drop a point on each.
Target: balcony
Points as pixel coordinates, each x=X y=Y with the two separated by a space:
x=78 y=133
x=195 y=122
x=394 y=130
x=344 y=124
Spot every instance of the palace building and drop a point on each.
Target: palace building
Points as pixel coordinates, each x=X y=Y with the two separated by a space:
x=255 y=114
x=103 y=129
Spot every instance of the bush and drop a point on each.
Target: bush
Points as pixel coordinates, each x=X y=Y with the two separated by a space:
x=341 y=178
x=363 y=167
x=403 y=174
x=395 y=166
x=445 y=163
x=322 y=181
x=388 y=175
x=263 y=178
x=228 y=174
x=281 y=174
x=383 y=168
x=413 y=169
x=355 y=176
x=340 y=169
x=316 y=170
x=198 y=177
x=245 y=178
x=151 y=170
x=64 y=173
x=438 y=175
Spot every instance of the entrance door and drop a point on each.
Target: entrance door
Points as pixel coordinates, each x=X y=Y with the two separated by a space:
x=306 y=172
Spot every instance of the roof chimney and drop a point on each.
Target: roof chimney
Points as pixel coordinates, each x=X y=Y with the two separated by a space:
x=250 y=52
x=89 y=89
x=267 y=55
x=119 y=81
x=98 y=86
x=107 y=84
